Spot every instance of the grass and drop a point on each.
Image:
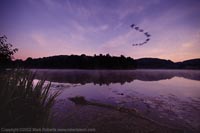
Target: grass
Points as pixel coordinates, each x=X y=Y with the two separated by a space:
x=23 y=103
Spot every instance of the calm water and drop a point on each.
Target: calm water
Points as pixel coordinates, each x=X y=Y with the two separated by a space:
x=169 y=96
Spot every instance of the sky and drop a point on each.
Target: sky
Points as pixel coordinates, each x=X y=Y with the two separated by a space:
x=40 y=28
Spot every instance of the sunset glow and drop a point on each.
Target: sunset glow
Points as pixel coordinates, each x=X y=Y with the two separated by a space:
x=40 y=28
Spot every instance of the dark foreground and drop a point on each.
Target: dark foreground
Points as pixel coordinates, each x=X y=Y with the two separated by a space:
x=107 y=120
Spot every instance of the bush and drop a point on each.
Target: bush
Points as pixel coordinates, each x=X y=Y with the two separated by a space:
x=23 y=103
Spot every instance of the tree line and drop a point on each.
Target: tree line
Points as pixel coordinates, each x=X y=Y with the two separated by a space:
x=88 y=62
x=78 y=62
x=63 y=61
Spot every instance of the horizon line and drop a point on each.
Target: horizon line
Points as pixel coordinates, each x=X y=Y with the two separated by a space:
x=105 y=55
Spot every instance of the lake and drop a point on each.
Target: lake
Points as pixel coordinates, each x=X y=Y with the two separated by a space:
x=169 y=97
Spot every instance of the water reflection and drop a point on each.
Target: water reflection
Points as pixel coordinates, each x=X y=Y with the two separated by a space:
x=112 y=76
x=171 y=97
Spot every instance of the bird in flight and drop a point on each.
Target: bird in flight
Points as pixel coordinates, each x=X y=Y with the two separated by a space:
x=137 y=28
x=147 y=34
x=133 y=26
x=141 y=30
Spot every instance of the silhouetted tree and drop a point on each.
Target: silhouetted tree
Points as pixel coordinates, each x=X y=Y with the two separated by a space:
x=79 y=62
x=6 y=51
x=107 y=55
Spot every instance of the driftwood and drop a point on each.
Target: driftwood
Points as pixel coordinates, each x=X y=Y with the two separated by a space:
x=80 y=100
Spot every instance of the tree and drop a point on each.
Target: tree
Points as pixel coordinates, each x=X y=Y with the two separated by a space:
x=6 y=51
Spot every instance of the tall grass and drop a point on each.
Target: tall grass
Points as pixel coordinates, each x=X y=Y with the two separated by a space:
x=23 y=103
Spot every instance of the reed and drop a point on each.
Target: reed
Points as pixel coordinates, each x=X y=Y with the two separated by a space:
x=24 y=103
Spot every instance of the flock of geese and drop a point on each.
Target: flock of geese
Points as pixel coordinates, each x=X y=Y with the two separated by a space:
x=133 y=26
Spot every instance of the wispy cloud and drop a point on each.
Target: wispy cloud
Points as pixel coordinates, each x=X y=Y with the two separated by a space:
x=102 y=26
x=88 y=28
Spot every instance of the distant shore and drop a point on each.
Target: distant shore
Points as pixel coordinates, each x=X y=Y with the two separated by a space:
x=102 y=62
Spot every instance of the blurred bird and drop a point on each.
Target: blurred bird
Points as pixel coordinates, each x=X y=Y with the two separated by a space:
x=146 y=33
x=132 y=26
x=137 y=28
x=135 y=44
x=147 y=39
x=141 y=30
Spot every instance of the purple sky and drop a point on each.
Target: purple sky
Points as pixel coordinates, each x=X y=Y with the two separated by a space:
x=62 y=27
